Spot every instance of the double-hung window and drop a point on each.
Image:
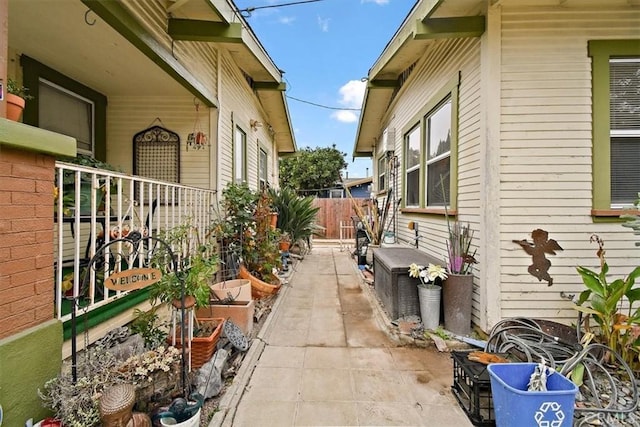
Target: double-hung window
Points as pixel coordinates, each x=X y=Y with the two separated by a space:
x=239 y=156
x=262 y=168
x=431 y=152
x=382 y=173
x=413 y=145
x=438 y=125
x=616 y=124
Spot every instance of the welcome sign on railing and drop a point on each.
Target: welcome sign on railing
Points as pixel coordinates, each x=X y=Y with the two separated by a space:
x=136 y=278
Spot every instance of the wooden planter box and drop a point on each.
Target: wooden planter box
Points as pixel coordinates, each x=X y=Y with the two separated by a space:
x=240 y=313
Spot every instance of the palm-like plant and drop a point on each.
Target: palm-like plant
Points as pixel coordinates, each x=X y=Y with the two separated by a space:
x=296 y=214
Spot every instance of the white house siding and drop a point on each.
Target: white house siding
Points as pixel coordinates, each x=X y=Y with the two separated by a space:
x=238 y=106
x=545 y=151
x=127 y=116
x=443 y=60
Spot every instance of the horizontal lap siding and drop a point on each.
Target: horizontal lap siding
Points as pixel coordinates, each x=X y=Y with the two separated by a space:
x=239 y=105
x=546 y=152
x=127 y=116
x=441 y=62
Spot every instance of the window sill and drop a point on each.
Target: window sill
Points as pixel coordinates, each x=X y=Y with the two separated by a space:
x=429 y=211
x=382 y=193
x=613 y=213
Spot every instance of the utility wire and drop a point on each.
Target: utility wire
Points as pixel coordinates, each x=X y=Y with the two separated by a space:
x=247 y=12
x=323 y=106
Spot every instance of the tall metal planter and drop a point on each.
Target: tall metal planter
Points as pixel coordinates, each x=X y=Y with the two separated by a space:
x=457 y=298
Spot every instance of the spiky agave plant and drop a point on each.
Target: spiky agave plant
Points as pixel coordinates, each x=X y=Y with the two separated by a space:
x=296 y=214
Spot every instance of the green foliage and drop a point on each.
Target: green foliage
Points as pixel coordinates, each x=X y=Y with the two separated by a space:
x=312 y=169
x=244 y=224
x=150 y=328
x=15 y=88
x=198 y=262
x=633 y=221
x=603 y=302
x=296 y=215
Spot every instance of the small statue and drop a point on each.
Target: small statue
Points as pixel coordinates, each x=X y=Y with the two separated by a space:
x=541 y=245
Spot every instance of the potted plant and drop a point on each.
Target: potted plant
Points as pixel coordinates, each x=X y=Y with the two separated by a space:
x=197 y=264
x=296 y=214
x=16 y=97
x=457 y=293
x=429 y=292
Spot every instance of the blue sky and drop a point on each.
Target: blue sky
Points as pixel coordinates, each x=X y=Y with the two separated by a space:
x=325 y=48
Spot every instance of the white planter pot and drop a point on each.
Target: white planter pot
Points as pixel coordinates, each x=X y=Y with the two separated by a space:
x=191 y=422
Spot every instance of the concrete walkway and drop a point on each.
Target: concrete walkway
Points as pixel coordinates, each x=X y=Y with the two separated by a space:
x=323 y=359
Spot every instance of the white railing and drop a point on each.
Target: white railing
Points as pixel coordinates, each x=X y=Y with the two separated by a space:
x=109 y=204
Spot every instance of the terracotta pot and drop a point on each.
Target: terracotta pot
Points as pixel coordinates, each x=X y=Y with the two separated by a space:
x=15 y=105
x=202 y=348
x=284 y=246
x=189 y=301
x=259 y=288
x=273 y=218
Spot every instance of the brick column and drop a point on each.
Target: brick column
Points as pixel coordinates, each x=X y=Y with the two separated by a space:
x=26 y=243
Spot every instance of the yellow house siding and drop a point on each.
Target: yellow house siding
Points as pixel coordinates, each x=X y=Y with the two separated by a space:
x=546 y=142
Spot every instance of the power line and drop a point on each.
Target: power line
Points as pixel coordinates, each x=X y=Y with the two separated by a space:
x=247 y=12
x=323 y=106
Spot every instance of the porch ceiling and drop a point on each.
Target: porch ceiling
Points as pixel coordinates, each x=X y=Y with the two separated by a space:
x=56 y=34
x=65 y=35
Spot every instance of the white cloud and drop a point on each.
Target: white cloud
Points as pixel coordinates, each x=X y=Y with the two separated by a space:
x=352 y=93
x=380 y=2
x=287 y=20
x=345 y=116
x=323 y=23
x=351 y=96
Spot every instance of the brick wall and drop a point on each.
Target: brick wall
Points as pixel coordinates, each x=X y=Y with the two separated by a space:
x=26 y=239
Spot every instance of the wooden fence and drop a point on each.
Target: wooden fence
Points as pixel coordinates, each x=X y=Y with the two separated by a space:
x=333 y=212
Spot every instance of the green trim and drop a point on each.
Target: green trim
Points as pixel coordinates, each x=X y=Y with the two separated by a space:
x=117 y=16
x=34 y=70
x=28 y=359
x=105 y=312
x=601 y=51
x=277 y=86
x=457 y=27
x=204 y=31
x=382 y=84
x=451 y=88
x=15 y=134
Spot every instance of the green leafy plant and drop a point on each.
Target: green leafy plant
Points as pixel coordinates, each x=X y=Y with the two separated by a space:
x=603 y=301
x=15 y=88
x=197 y=263
x=150 y=327
x=296 y=214
x=633 y=221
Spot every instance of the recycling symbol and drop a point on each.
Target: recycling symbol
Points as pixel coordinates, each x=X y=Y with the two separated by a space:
x=549 y=415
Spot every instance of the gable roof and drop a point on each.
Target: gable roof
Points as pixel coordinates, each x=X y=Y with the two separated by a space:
x=428 y=20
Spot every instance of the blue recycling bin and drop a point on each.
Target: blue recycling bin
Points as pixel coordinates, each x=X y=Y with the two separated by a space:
x=514 y=406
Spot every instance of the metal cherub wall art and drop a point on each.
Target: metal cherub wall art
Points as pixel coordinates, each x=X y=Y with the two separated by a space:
x=540 y=246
